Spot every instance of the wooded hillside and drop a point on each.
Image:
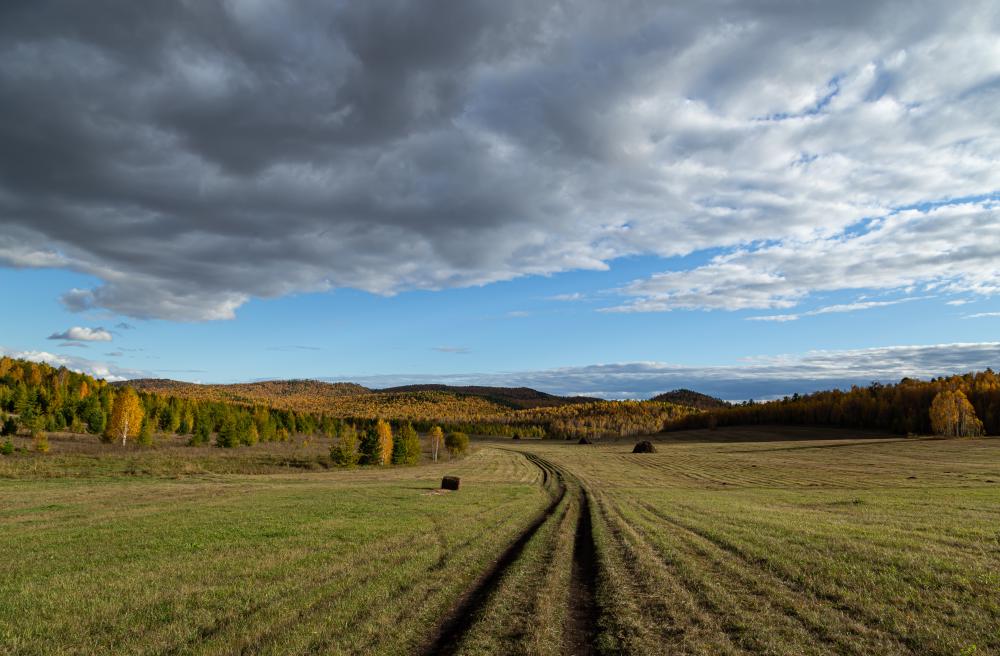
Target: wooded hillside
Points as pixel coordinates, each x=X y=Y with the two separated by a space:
x=902 y=408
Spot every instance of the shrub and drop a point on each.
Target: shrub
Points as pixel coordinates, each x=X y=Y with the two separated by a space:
x=9 y=427
x=40 y=441
x=345 y=452
x=7 y=448
x=145 y=433
x=456 y=443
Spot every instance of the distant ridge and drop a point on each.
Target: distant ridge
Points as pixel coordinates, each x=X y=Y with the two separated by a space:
x=515 y=397
x=691 y=399
x=308 y=393
x=257 y=388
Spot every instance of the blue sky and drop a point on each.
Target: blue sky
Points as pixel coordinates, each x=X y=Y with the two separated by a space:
x=507 y=327
x=586 y=198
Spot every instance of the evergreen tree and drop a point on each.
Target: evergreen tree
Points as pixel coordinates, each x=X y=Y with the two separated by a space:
x=406 y=446
x=369 y=448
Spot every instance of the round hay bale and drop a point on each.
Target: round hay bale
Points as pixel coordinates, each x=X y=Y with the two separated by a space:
x=450 y=482
x=644 y=447
x=584 y=440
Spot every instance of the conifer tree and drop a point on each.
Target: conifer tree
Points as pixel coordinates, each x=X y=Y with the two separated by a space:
x=406 y=446
x=383 y=433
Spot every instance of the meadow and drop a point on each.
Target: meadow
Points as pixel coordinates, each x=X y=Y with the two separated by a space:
x=736 y=541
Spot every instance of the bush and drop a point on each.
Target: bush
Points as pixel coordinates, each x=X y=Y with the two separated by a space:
x=7 y=448
x=40 y=441
x=456 y=443
x=345 y=452
x=9 y=427
x=145 y=433
x=201 y=435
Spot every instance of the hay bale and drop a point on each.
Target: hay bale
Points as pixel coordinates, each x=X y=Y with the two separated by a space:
x=450 y=482
x=584 y=440
x=644 y=447
x=516 y=437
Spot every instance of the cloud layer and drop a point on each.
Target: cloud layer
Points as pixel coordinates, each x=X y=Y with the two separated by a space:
x=194 y=155
x=758 y=378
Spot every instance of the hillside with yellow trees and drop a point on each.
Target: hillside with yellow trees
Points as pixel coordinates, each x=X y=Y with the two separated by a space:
x=964 y=405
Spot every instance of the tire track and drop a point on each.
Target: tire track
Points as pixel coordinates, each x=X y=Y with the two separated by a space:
x=582 y=615
x=464 y=613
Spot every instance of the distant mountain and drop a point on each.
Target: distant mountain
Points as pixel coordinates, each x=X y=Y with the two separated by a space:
x=262 y=389
x=514 y=397
x=691 y=399
x=352 y=400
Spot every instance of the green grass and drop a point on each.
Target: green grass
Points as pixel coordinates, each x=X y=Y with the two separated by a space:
x=352 y=562
x=745 y=541
x=850 y=547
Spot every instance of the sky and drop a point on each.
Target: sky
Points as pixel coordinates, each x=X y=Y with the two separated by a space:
x=749 y=199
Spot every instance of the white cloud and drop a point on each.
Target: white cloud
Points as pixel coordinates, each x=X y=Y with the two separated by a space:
x=513 y=139
x=982 y=315
x=109 y=372
x=759 y=377
x=947 y=250
x=83 y=334
x=833 y=309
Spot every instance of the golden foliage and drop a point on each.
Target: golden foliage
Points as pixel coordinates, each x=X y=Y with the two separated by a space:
x=953 y=416
x=126 y=415
x=383 y=432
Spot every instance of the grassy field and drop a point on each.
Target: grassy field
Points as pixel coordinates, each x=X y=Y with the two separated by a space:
x=356 y=561
x=743 y=545
x=769 y=541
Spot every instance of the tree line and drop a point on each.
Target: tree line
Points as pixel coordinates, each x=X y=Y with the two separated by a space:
x=39 y=398
x=961 y=405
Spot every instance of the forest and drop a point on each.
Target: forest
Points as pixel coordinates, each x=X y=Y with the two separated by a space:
x=38 y=398
x=966 y=404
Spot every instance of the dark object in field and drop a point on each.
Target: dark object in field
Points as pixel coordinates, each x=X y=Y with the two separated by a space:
x=450 y=482
x=516 y=437
x=644 y=447
x=584 y=440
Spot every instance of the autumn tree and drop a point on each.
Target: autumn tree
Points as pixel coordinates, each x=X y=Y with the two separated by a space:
x=953 y=416
x=345 y=452
x=406 y=446
x=383 y=433
x=436 y=437
x=457 y=443
x=126 y=415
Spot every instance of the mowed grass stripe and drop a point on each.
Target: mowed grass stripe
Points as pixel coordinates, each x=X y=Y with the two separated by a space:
x=244 y=553
x=789 y=620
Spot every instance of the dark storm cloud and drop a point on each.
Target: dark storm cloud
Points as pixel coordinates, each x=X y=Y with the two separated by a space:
x=193 y=155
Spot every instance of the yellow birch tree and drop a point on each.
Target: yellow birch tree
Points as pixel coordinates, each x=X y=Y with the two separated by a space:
x=437 y=438
x=126 y=415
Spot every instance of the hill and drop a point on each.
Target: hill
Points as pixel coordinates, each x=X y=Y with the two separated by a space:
x=691 y=399
x=475 y=409
x=515 y=397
